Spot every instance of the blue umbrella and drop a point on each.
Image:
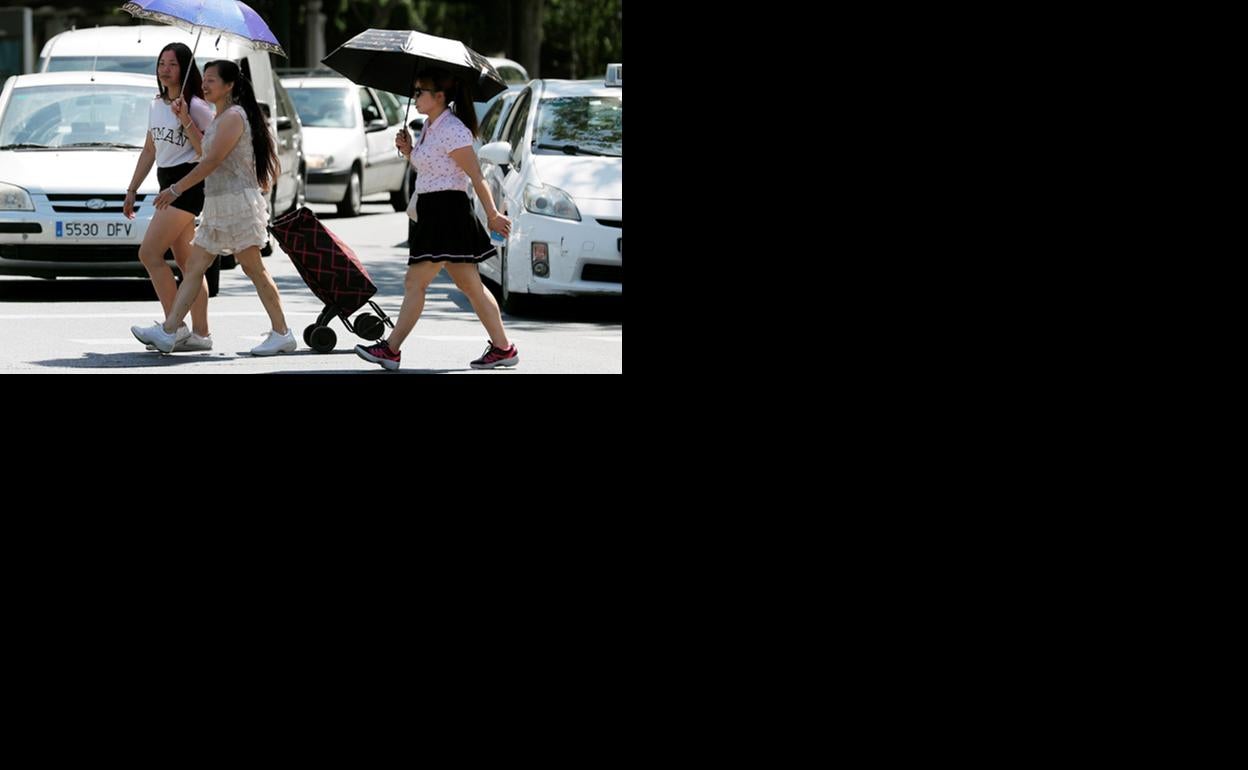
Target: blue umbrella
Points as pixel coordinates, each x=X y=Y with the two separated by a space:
x=229 y=18
x=226 y=18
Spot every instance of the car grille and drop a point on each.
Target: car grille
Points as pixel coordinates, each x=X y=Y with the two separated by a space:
x=70 y=252
x=76 y=203
x=604 y=273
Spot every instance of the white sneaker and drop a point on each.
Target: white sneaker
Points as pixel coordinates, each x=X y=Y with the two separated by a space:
x=194 y=342
x=156 y=336
x=276 y=343
x=141 y=333
x=191 y=343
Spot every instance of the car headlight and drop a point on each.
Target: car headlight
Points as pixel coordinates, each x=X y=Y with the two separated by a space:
x=550 y=201
x=13 y=198
x=320 y=161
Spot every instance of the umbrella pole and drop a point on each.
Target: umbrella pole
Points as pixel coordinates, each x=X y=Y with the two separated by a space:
x=187 y=75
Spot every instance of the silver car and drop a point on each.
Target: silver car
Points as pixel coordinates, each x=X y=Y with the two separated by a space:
x=348 y=141
x=69 y=142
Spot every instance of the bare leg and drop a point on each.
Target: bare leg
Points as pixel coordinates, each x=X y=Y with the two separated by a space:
x=192 y=281
x=468 y=279
x=181 y=254
x=253 y=266
x=419 y=276
x=162 y=234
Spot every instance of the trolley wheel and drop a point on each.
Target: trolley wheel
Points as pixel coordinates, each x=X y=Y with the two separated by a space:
x=323 y=339
x=369 y=326
x=307 y=335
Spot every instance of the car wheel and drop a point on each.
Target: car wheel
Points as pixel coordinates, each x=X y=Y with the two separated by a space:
x=400 y=197
x=351 y=199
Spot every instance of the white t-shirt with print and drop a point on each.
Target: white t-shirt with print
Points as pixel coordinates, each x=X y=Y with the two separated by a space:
x=173 y=148
x=435 y=170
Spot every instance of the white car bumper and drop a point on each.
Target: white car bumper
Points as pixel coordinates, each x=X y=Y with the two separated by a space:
x=63 y=237
x=585 y=257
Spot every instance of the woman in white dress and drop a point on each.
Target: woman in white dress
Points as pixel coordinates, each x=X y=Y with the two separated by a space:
x=239 y=165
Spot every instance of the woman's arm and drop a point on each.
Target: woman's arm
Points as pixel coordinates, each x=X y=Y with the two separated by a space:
x=467 y=160
x=190 y=126
x=141 y=169
x=229 y=132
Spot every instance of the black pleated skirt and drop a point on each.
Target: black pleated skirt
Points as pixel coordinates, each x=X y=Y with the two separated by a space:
x=446 y=230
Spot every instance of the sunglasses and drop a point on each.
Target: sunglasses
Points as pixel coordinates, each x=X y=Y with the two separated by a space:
x=416 y=93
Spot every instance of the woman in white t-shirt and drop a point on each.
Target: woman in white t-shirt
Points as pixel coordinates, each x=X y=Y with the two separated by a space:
x=447 y=232
x=174 y=144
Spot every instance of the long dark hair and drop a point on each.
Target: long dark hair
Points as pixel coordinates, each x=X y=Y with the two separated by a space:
x=194 y=84
x=267 y=165
x=458 y=97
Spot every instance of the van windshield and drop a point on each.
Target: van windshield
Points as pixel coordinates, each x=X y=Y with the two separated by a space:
x=142 y=65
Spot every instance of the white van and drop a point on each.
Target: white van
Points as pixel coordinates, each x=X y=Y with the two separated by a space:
x=135 y=48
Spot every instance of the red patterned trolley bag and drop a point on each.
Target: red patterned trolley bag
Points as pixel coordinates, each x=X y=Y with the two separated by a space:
x=334 y=274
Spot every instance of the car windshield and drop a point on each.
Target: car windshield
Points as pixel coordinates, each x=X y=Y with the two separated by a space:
x=76 y=114
x=593 y=124
x=324 y=107
x=142 y=65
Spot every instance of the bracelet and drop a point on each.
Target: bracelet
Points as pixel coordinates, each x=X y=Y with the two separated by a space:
x=174 y=190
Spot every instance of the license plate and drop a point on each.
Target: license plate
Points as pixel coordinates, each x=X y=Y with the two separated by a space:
x=100 y=230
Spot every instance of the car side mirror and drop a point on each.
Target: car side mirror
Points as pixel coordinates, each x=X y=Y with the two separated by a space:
x=498 y=153
x=416 y=125
x=376 y=124
x=268 y=113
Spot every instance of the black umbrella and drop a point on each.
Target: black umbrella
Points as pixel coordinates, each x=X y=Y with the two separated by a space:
x=389 y=59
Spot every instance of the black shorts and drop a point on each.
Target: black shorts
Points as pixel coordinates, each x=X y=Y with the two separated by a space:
x=191 y=200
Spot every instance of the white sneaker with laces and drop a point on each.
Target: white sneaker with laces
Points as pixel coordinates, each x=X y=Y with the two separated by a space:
x=141 y=333
x=276 y=343
x=156 y=336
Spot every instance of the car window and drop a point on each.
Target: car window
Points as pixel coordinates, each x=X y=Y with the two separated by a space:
x=592 y=123
x=390 y=103
x=64 y=115
x=511 y=75
x=284 y=95
x=369 y=107
x=324 y=107
x=490 y=121
x=516 y=125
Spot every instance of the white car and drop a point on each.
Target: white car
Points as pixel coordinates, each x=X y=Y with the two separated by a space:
x=69 y=142
x=560 y=156
x=348 y=141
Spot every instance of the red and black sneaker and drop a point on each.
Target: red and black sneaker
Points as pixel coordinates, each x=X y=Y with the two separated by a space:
x=495 y=356
x=379 y=354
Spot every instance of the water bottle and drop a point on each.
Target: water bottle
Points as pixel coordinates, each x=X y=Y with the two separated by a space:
x=497 y=237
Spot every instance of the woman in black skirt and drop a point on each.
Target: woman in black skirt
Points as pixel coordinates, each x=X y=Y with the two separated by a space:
x=447 y=233
x=174 y=135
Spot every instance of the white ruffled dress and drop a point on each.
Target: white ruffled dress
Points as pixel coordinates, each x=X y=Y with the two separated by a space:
x=236 y=213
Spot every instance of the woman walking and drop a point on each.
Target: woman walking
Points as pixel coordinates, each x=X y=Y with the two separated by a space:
x=174 y=141
x=447 y=233
x=240 y=163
